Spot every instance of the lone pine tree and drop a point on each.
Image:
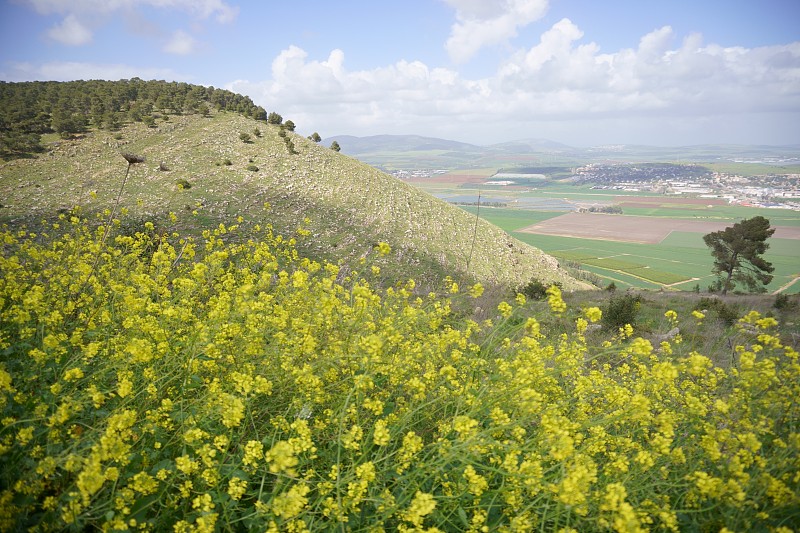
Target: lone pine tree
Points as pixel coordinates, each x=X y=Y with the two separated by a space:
x=737 y=254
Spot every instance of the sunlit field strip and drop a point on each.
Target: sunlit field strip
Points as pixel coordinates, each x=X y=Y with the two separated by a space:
x=777 y=217
x=635 y=270
x=613 y=264
x=658 y=276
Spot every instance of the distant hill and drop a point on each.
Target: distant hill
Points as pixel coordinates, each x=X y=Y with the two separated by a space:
x=396 y=143
x=390 y=152
x=526 y=146
x=346 y=205
x=414 y=151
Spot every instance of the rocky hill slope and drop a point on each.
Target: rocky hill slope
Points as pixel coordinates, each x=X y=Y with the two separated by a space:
x=200 y=169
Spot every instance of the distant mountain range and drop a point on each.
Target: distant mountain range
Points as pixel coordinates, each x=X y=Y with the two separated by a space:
x=414 y=151
x=400 y=143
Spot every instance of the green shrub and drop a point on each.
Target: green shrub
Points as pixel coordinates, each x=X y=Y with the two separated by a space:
x=252 y=168
x=726 y=313
x=183 y=184
x=783 y=302
x=534 y=290
x=622 y=309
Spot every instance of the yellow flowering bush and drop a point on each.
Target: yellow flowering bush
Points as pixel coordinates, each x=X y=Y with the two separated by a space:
x=164 y=383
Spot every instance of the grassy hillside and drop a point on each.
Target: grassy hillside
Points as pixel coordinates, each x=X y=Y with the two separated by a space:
x=346 y=205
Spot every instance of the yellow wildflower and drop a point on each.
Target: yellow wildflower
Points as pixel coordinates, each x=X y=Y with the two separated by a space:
x=422 y=505
x=557 y=304
x=281 y=458
x=477 y=483
x=593 y=314
x=236 y=488
x=124 y=387
x=203 y=503
x=380 y=433
x=253 y=453
x=291 y=503
x=476 y=290
x=186 y=465
x=412 y=444
x=352 y=439
x=73 y=374
x=465 y=426
x=232 y=409
x=144 y=483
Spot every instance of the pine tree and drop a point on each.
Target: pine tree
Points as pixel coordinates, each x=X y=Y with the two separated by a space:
x=737 y=254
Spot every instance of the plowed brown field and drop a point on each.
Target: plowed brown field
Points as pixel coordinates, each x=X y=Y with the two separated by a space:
x=645 y=230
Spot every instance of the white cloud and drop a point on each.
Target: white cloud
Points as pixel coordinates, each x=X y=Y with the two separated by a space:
x=558 y=79
x=70 y=32
x=70 y=70
x=181 y=43
x=74 y=31
x=200 y=8
x=487 y=22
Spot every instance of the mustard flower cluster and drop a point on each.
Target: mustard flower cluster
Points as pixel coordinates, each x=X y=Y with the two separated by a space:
x=160 y=383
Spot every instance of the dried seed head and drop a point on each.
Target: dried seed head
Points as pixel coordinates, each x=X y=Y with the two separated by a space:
x=132 y=159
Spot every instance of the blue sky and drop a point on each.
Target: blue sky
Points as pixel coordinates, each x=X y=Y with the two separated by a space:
x=582 y=72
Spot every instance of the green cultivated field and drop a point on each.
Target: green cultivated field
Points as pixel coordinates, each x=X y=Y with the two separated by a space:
x=681 y=261
x=778 y=217
x=512 y=219
x=751 y=169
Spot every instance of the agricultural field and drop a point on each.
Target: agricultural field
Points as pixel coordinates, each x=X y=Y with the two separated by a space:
x=655 y=243
x=646 y=251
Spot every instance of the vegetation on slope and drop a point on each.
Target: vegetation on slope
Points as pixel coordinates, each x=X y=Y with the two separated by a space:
x=30 y=109
x=349 y=205
x=151 y=381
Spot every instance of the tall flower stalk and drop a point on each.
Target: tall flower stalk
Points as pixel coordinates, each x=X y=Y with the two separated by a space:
x=132 y=159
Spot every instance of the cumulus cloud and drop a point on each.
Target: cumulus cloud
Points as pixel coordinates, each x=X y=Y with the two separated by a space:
x=180 y=43
x=201 y=8
x=560 y=78
x=567 y=77
x=310 y=91
x=70 y=31
x=73 y=30
x=480 y=23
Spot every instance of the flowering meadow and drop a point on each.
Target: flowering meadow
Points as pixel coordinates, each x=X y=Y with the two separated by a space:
x=155 y=382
